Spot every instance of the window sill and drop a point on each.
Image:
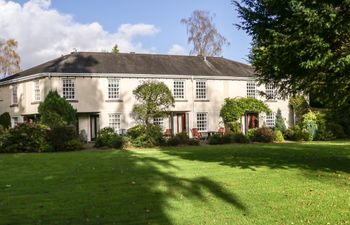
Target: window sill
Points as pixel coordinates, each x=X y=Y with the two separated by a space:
x=36 y=102
x=72 y=100
x=201 y=100
x=271 y=100
x=114 y=100
x=181 y=100
x=14 y=105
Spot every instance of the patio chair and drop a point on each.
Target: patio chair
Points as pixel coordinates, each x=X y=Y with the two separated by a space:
x=196 y=134
x=221 y=131
x=167 y=133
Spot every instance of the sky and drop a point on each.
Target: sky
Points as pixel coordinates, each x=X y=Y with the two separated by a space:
x=47 y=29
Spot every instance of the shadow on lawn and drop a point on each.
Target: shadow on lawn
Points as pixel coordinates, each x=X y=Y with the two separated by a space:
x=314 y=157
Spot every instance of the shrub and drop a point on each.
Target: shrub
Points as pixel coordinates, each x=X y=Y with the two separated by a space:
x=233 y=127
x=5 y=120
x=289 y=134
x=142 y=136
x=263 y=134
x=179 y=139
x=280 y=125
x=250 y=133
x=278 y=136
x=136 y=131
x=296 y=133
x=193 y=141
x=227 y=138
x=173 y=141
x=105 y=137
x=118 y=142
x=64 y=138
x=336 y=129
x=240 y=138
x=25 y=138
x=215 y=139
x=310 y=125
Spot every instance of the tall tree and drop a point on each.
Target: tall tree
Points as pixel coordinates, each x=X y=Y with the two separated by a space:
x=300 y=45
x=154 y=100
x=202 y=33
x=9 y=58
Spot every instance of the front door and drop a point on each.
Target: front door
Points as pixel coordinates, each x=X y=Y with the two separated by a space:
x=94 y=126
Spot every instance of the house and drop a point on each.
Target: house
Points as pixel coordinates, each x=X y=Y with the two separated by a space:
x=100 y=85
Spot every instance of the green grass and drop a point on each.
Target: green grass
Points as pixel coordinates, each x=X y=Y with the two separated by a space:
x=230 y=184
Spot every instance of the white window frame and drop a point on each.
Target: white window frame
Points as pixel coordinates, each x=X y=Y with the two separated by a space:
x=159 y=121
x=115 y=121
x=36 y=91
x=270 y=92
x=14 y=94
x=14 y=121
x=200 y=89
x=202 y=124
x=251 y=89
x=177 y=92
x=270 y=120
x=68 y=92
x=113 y=89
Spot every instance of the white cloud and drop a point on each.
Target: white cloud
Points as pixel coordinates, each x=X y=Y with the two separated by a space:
x=177 y=50
x=44 y=33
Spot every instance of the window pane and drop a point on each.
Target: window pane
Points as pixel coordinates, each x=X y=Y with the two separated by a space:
x=113 y=89
x=36 y=91
x=159 y=121
x=251 y=89
x=202 y=121
x=201 y=90
x=270 y=92
x=270 y=120
x=68 y=89
x=179 y=89
x=114 y=121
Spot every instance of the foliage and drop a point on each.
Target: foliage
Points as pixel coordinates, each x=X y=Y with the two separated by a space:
x=300 y=107
x=240 y=138
x=25 y=138
x=204 y=36
x=9 y=58
x=115 y=49
x=154 y=99
x=310 y=124
x=118 y=142
x=336 y=129
x=233 y=127
x=234 y=108
x=215 y=139
x=56 y=111
x=323 y=133
x=193 y=142
x=302 y=46
x=296 y=133
x=64 y=138
x=105 y=137
x=278 y=136
x=263 y=134
x=250 y=133
x=136 y=131
x=279 y=123
x=5 y=120
x=152 y=136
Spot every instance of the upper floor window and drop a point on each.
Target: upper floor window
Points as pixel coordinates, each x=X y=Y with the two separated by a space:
x=179 y=89
x=270 y=120
x=68 y=89
x=113 y=88
x=14 y=96
x=251 y=89
x=201 y=89
x=36 y=90
x=114 y=121
x=202 y=121
x=270 y=92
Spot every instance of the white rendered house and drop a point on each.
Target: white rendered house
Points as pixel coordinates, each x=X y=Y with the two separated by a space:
x=100 y=85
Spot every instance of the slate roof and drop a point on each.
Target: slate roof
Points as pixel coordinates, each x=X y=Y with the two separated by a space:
x=131 y=63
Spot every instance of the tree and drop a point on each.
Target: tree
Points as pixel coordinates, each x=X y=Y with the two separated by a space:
x=202 y=33
x=234 y=108
x=5 y=120
x=279 y=124
x=154 y=100
x=56 y=111
x=9 y=58
x=115 y=49
x=300 y=45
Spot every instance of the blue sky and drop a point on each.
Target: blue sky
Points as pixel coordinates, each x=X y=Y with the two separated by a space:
x=165 y=15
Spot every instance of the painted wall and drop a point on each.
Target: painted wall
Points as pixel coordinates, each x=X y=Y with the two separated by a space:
x=91 y=96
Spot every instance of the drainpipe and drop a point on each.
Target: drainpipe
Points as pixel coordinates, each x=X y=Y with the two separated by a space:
x=193 y=113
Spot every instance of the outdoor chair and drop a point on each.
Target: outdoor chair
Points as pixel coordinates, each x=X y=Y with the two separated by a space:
x=196 y=134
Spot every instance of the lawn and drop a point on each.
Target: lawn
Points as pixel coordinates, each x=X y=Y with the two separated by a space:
x=229 y=184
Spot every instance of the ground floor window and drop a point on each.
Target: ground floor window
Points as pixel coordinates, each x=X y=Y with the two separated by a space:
x=14 y=121
x=270 y=120
x=159 y=121
x=202 y=121
x=114 y=121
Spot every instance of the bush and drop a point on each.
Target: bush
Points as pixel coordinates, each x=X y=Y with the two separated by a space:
x=280 y=125
x=105 y=137
x=296 y=133
x=263 y=134
x=5 y=120
x=173 y=141
x=179 y=139
x=336 y=129
x=64 y=138
x=118 y=142
x=215 y=139
x=142 y=136
x=25 y=138
x=310 y=125
x=227 y=138
x=240 y=138
x=136 y=131
x=250 y=133
x=278 y=136
x=193 y=141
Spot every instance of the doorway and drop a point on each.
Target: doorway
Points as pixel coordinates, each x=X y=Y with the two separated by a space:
x=179 y=122
x=94 y=126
